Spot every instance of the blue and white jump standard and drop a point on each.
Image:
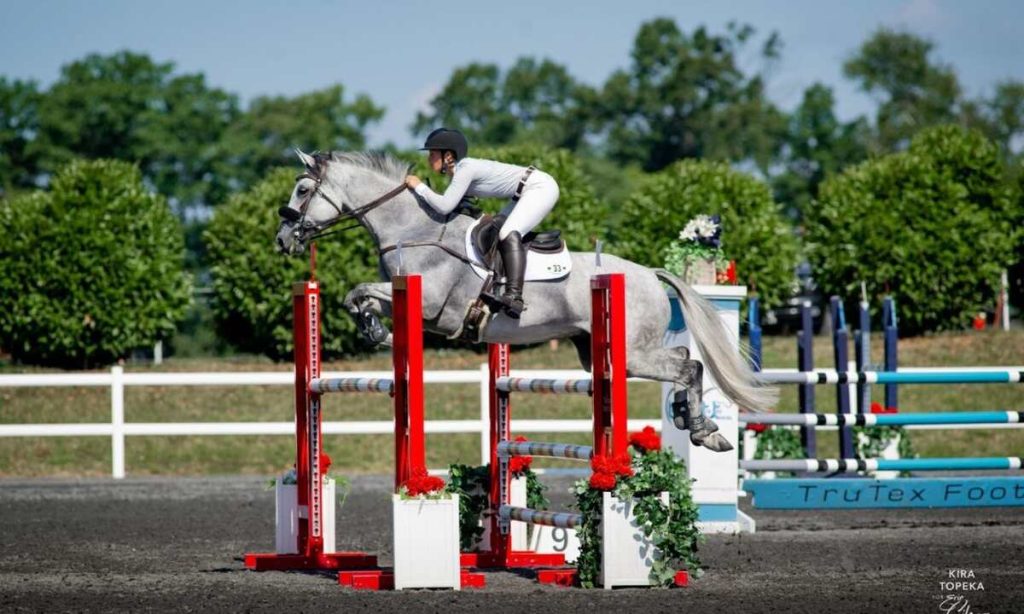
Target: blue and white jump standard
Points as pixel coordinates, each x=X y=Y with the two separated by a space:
x=714 y=491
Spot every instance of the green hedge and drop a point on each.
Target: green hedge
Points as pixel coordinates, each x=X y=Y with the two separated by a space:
x=252 y=282
x=934 y=226
x=754 y=233
x=90 y=269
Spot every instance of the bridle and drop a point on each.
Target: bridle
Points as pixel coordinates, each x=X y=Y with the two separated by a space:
x=306 y=229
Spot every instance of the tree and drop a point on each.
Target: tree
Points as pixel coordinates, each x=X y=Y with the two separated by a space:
x=91 y=269
x=532 y=102
x=1001 y=118
x=19 y=103
x=684 y=96
x=914 y=91
x=126 y=106
x=817 y=145
x=266 y=135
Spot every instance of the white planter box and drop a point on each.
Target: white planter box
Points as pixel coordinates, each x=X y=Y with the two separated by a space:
x=426 y=534
x=287 y=518
x=626 y=554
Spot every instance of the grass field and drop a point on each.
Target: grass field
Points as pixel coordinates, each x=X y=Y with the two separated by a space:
x=203 y=455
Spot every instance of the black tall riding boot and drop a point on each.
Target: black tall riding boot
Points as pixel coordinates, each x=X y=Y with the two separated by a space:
x=514 y=257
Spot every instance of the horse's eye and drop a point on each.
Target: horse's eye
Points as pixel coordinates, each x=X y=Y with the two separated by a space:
x=303 y=190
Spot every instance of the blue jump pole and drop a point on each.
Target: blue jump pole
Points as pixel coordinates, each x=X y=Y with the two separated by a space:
x=862 y=356
x=841 y=352
x=925 y=418
x=754 y=326
x=853 y=465
x=952 y=376
x=805 y=362
x=891 y=337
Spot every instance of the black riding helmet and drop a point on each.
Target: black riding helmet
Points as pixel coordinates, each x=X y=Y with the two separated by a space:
x=446 y=139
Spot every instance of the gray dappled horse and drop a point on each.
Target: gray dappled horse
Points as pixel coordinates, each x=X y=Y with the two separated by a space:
x=369 y=188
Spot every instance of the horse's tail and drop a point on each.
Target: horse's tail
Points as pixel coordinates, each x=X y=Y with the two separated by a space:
x=731 y=372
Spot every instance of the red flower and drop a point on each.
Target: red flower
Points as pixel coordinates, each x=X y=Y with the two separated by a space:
x=421 y=483
x=646 y=440
x=623 y=464
x=325 y=464
x=601 y=464
x=518 y=465
x=728 y=275
x=876 y=408
x=601 y=480
x=757 y=427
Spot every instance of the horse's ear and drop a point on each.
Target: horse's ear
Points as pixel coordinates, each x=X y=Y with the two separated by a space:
x=307 y=160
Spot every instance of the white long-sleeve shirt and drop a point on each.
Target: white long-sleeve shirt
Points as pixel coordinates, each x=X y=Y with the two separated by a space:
x=474 y=177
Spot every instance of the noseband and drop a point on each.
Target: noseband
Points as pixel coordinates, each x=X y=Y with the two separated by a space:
x=305 y=229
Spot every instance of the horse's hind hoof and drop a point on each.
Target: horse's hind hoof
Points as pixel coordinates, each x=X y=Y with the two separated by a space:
x=714 y=442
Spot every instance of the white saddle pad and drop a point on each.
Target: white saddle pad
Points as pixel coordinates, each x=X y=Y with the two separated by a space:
x=539 y=266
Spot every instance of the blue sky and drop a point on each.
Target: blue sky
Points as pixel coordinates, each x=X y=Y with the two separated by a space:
x=402 y=52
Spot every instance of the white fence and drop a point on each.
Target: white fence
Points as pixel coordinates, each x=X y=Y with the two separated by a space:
x=117 y=429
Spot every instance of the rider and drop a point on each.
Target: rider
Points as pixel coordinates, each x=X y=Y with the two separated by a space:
x=532 y=193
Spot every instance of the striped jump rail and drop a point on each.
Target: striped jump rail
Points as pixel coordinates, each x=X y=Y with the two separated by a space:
x=351 y=384
x=544 y=386
x=958 y=417
x=508 y=449
x=1005 y=376
x=853 y=465
x=562 y=520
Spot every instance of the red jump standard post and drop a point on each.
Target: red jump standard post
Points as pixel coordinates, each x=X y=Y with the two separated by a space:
x=609 y=392
x=308 y=450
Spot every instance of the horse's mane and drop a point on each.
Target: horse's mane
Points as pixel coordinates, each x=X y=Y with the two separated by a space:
x=376 y=161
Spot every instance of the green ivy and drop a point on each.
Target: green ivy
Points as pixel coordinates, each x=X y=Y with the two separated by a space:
x=473 y=484
x=672 y=528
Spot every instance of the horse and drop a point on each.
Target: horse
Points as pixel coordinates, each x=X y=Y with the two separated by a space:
x=411 y=237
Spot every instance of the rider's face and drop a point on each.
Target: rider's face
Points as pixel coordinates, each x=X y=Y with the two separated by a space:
x=435 y=159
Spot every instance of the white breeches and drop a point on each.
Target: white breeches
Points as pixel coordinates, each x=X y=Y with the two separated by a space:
x=539 y=197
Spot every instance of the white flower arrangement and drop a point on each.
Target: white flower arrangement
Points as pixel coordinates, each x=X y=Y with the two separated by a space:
x=699 y=246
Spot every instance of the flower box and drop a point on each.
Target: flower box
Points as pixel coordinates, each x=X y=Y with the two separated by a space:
x=426 y=546
x=287 y=516
x=626 y=554
x=700 y=273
